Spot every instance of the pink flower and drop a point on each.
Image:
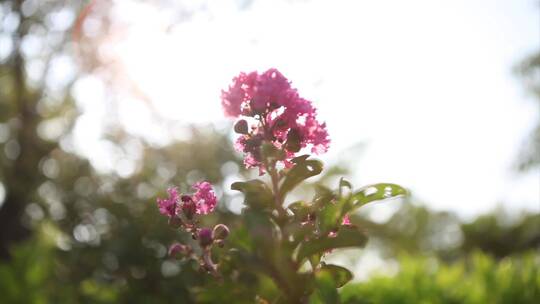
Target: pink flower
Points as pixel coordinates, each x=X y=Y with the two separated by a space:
x=346 y=221
x=204 y=198
x=169 y=205
x=233 y=99
x=203 y=201
x=282 y=117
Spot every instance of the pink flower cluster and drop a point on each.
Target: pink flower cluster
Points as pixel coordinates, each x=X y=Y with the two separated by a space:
x=203 y=201
x=282 y=118
x=181 y=211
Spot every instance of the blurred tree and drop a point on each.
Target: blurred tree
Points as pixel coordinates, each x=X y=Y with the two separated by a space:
x=36 y=109
x=416 y=230
x=107 y=232
x=104 y=223
x=112 y=233
x=475 y=279
x=494 y=235
x=529 y=70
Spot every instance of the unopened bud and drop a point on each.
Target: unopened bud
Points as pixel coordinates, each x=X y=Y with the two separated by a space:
x=205 y=237
x=176 y=249
x=220 y=243
x=241 y=127
x=293 y=141
x=220 y=232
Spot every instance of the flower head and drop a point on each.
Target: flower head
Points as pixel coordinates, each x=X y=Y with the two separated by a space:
x=168 y=206
x=204 y=198
x=182 y=210
x=203 y=201
x=279 y=115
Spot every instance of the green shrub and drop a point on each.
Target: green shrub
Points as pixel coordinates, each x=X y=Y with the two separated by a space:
x=477 y=279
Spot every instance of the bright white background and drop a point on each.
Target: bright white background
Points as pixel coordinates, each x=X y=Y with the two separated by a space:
x=427 y=85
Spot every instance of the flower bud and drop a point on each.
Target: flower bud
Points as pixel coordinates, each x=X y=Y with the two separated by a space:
x=220 y=232
x=293 y=141
x=241 y=127
x=205 y=237
x=176 y=249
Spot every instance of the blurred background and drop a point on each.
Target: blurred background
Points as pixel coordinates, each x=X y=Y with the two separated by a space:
x=104 y=104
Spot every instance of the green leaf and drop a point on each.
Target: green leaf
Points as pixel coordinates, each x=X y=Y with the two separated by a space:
x=376 y=192
x=327 y=279
x=323 y=196
x=259 y=226
x=315 y=260
x=298 y=231
x=300 y=209
x=329 y=217
x=340 y=275
x=240 y=238
x=304 y=168
x=325 y=289
x=257 y=194
x=346 y=237
x=344 y=183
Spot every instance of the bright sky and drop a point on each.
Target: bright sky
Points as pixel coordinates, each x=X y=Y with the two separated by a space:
x=428 y=85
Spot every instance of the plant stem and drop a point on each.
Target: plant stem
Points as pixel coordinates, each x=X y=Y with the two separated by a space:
x=277 y=193
x=270 y=167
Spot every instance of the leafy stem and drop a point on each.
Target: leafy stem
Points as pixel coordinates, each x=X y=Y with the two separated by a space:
x=270 y=166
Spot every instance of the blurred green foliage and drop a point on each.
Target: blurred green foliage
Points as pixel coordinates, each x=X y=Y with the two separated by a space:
x=109 y=243
x=110 y=247
x=476 y=279
x=416 y=230
x=31 y=275
x=529 y=71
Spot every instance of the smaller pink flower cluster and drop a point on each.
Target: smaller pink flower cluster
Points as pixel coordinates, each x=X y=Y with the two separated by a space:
x=181 y=211
x=203 y=201
x=282 y=118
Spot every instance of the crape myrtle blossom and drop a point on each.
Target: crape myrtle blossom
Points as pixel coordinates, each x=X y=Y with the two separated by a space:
x=204 y=198
x=182 y=209
x=168 y=206
x=278 y=116
x=203 y=201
